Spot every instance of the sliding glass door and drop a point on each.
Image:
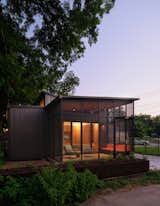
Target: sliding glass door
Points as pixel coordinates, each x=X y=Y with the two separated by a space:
x=80 y=140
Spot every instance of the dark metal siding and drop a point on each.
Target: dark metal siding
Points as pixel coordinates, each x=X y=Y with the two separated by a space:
x=54 y=142
x=26 y=133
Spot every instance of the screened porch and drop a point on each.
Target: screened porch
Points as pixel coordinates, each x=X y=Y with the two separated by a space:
x=96 y=128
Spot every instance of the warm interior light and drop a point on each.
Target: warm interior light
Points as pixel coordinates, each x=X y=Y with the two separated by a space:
x=85 y=123
x=76 y=130
x=67 y=123
x=86 y=134
x=76 y=124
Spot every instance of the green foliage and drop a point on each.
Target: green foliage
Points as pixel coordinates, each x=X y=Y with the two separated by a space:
x=39 y=40
x=122 y=156
x=145 y=125
x=156 y=125
x=148 y=150
x=116 y=184
x=109 y=158
x=151 y=177
x=14 y=191
x=87 y=184
x=131 y=156
x=50 y=187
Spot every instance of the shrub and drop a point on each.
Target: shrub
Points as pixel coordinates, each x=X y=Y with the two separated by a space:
x=66 y=188
x=131 y=155
x=116 y=184
x=86 y=184
x=13 y=192
x=121 y=156
x=51 y=187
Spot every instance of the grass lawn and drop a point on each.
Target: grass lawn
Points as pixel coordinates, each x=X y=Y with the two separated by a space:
x=147 y=150
x=151 y=177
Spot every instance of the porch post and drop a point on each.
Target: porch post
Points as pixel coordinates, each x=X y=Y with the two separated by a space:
x=81 y=141
x=99 y=130
x=133 y=129
x=125 y=129
x=99 y=135
x=107 y=127
x=91 y=135
x=114 y=138
x=71 y=133
x=119 y=125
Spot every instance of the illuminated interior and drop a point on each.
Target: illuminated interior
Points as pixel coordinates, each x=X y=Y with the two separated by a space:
x=96 y=129
x=82 y=141
x=75 y=134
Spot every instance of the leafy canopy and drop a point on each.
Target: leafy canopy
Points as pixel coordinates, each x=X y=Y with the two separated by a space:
x=39 y=40
x=146 y=125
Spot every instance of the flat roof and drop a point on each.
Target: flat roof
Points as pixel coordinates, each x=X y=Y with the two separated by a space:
x=98 y=98
x=59 y=98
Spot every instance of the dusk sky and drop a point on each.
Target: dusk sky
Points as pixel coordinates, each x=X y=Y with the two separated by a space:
x=126 y=59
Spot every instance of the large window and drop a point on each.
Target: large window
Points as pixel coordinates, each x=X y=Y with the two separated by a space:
x=86 y=131
x=76 y=134
x=80 y=140
x=71 y=140
x=95 y=130
x=67 y=133
x=95 y=133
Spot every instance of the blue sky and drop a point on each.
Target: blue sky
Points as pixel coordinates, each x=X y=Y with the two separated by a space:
x=126 y=59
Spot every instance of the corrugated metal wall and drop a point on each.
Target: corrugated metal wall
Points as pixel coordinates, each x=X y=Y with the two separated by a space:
x=55 y=131
x=27 y=126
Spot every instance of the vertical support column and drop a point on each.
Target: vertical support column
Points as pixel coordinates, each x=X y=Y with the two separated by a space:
x=125 y=129
x=133 y=130
x=99 y=132
x=107 y=129
x=114 y=139
x=71 y=133
x=60 y=142
x=119 y=126
x=91 y=135
x=81 y=141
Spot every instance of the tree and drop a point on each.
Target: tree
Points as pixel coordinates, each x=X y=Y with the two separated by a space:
x=58 y=32
x=143 y=125
x=156 y=125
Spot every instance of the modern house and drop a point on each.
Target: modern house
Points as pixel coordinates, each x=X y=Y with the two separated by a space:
x=71 y=127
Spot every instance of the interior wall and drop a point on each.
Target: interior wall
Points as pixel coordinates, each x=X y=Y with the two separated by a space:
x=67 y=133
x=76 y=133
x=86 y=131
x=95 y=127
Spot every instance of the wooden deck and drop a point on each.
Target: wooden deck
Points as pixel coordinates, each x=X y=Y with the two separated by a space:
x=93 y=156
